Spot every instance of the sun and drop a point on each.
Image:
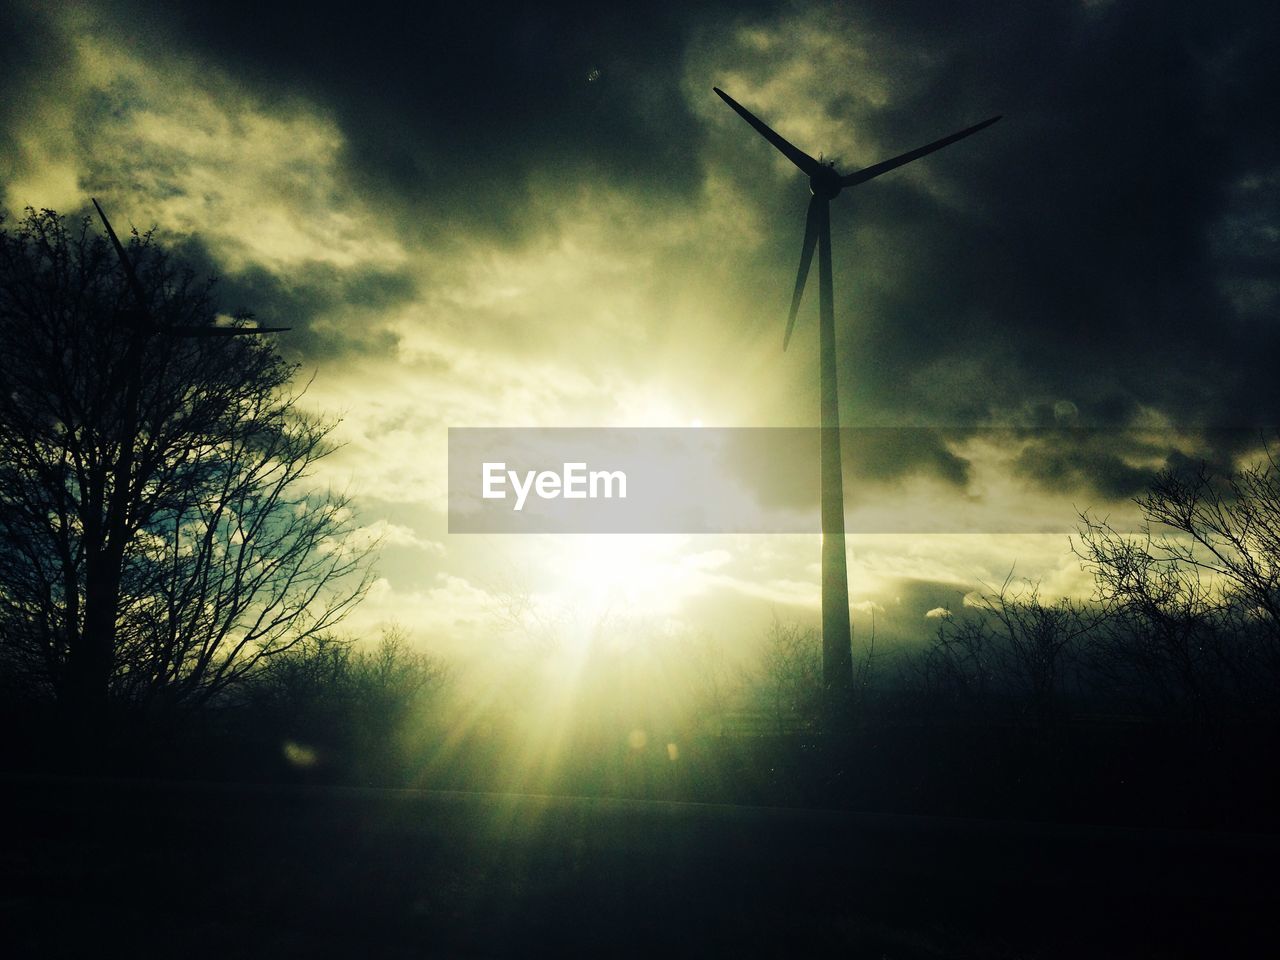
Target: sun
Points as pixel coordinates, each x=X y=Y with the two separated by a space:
x=604 y=574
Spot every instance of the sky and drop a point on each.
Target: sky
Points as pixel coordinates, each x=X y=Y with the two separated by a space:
x=507 y=216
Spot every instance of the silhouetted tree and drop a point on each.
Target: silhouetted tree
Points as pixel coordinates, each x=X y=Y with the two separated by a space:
x=349 y=709
x=171 y=579
x=787 y=682
x=1194 y=599
x=1010 y=647
x=958 y=668
x=790 y=682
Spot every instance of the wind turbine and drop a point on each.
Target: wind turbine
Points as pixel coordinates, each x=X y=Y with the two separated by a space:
x=140 y=317
x=105 y=557
x=826 y=183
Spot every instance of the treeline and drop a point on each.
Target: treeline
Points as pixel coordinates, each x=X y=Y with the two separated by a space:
x=173 y=588
x=1153 y=702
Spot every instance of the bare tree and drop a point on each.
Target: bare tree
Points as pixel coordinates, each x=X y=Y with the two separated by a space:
x=864 y=666
x=958 y=667
x=158 y=535
x=790 y=675
x=1013 y=646
x=1194 y=599
x=347 y=707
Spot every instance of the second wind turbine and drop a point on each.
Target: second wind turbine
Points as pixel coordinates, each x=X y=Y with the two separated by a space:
x=825 y=184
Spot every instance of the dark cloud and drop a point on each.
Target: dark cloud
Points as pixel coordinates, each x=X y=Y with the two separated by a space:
x=32 y=58
x=900 y=621
x=1063 y=463
x=886 y=453
x=1120 y=464
x=777 y=465
x=1111 y=244
x=451 y=109
x=1079 y=266
x=355 y=297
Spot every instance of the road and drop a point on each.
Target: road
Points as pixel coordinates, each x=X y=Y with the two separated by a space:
x=173 y=869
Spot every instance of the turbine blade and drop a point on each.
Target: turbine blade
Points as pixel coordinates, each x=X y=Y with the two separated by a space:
x=132 y=277
x=867 y=173
x=185 y=331
x=806 y=258
x=788 y=150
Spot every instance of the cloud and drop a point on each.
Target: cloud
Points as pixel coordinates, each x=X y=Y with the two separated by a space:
x=1114 y=205
x=938 y=613
x=191 y=149
x=465 y=230
x=1061 y=253
x=451 y=112
x=398 y=535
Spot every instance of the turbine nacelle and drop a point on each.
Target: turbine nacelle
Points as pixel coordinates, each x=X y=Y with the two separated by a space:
x=825 y=182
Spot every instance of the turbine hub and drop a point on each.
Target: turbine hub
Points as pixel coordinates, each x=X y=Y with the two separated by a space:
x=825 y=182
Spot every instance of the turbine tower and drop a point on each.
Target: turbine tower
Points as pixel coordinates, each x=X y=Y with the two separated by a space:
x=825 y=184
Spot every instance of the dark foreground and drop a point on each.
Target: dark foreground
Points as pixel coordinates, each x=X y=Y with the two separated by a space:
x=158 y=869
